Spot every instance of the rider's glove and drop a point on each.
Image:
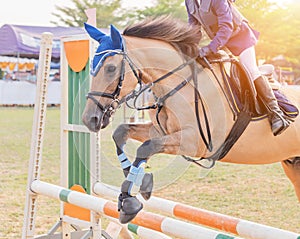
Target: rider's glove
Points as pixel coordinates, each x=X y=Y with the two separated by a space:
x=204 y=51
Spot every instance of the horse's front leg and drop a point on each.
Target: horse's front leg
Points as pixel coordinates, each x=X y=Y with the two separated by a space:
x=140 y=132
x=144 y=182
x=129 y=205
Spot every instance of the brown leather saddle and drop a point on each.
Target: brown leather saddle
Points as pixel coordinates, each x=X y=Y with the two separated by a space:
x=241 y=90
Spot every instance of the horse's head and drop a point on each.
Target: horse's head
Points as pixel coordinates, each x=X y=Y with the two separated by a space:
x=156 y=47
x=108 y=69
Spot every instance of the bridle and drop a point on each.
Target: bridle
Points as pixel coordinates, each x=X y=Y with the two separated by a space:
x=116 y=102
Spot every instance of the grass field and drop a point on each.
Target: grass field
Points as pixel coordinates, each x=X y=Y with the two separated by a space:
x=258 y=193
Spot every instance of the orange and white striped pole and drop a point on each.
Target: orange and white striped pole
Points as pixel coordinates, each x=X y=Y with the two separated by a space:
x=204 y=217
x=166 y=225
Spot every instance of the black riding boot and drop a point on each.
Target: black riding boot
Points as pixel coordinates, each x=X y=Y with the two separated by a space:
x=278 y=122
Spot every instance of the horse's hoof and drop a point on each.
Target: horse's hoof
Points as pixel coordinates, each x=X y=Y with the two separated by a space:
x=147 y=186
x=130 y=208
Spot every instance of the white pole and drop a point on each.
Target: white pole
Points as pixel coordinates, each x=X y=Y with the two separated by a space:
x=152 y=221
x=215 y=220
x=37 y=133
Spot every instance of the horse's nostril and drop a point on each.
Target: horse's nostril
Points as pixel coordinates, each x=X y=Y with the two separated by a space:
x=94 y=120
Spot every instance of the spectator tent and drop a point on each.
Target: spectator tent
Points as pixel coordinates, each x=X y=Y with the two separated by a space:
x=23 y=41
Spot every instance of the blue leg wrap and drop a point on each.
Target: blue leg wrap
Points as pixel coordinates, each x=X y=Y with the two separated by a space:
x=124 y=161
x=136 y=175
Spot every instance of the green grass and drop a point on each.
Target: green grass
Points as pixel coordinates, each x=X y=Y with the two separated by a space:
x=258 y=193
x=15 y=140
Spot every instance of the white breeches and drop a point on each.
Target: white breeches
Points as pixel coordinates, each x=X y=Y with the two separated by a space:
x=248 y=59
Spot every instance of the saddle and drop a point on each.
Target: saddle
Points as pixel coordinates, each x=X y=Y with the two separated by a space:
x=242 y=98
x=241 y=90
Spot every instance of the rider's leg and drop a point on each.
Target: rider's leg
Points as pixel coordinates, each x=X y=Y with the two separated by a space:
x=279 y=123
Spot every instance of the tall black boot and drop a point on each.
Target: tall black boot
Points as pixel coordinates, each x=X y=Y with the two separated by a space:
x=278 y=121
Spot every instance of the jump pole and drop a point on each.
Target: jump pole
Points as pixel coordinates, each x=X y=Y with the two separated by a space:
x=142 y=232
x=204 y=217
x=170 y=226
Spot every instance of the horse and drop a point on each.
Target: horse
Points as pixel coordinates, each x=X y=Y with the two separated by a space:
x=190 y=114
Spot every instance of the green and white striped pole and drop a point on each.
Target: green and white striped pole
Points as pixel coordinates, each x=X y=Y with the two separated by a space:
x=166 y=225
x=204 y=217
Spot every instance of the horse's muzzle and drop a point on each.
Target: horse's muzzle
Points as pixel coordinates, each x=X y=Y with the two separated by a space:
x=95 y=122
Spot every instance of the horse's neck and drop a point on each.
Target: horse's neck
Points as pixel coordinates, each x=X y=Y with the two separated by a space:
x=162 y=58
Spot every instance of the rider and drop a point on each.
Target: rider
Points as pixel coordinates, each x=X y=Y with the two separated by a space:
x=228 y=28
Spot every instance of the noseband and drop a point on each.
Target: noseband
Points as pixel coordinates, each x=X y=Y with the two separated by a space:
x=114 y=104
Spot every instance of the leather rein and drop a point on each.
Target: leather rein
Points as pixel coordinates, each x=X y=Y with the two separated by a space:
x=116 y=102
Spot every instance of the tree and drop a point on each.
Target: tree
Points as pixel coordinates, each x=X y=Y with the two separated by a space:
x=112 y=12
x=292 y=43
x=176 y=8
x=278 y=27
x=108 y=12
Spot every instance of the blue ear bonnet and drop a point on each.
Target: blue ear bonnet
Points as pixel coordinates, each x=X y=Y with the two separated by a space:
x=106 y=43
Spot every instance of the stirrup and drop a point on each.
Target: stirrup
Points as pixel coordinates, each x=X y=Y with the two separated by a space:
x=284 y=125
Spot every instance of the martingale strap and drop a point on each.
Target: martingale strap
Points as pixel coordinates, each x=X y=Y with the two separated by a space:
x=242 y=121
x=236 y=131
x=160 y=102
x=239 y=126
x=207 y=141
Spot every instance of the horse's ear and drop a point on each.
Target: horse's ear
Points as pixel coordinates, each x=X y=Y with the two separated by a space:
x=94 y=33
x=116 y=37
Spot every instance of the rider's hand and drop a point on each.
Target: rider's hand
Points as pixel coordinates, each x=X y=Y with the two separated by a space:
x=204 y=51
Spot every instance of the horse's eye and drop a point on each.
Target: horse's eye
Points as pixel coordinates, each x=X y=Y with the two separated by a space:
x=111 y=68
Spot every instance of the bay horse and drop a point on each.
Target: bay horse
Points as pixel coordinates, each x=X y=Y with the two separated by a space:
x=189 y=111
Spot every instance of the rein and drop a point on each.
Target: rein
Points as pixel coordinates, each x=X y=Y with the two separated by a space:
x=242 y=121
x=111 y=108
